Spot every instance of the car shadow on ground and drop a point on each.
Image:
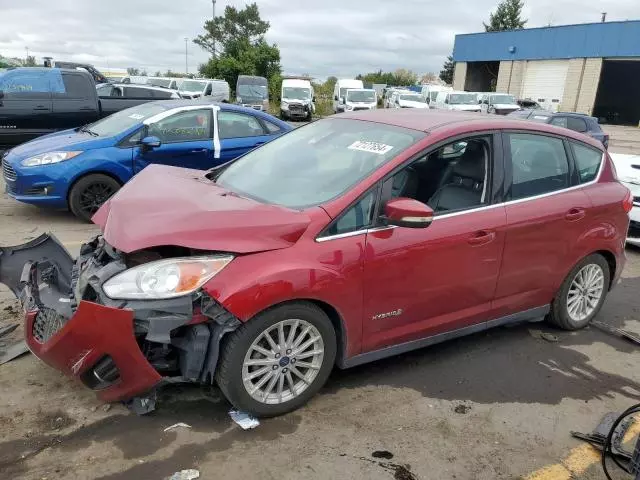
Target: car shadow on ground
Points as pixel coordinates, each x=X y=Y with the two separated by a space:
x=510 y=364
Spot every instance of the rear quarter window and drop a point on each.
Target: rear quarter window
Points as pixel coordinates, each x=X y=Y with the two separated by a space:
x=76 y=86
x=588 y=161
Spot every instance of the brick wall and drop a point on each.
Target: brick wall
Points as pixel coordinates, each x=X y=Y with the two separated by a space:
x=459 y=75
x=510 y=77
x=581 y=86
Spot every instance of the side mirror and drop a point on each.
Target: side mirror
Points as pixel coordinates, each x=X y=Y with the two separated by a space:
x=1 y=94
x=446 y=100
x=313 y=99
x=336 y=98
x=342 y=100
x=409 y=213
x=486 y=102
x=151 y=142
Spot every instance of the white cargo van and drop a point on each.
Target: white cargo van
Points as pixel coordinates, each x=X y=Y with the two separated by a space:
x=297 y=99
x=340 y=90
x=360 y=99
x=216 y=90
x=463 y=101
x=430 y=93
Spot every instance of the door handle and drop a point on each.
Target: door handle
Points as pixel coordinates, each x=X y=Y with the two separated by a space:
x=87 y=109
x=257 y=144
x=482 y=237
x=41 y=107
x=198 y=150
x=575 y=214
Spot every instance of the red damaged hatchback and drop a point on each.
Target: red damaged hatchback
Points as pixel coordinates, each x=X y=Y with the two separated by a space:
x=345 y=241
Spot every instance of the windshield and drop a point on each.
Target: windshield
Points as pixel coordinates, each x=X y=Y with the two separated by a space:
x=124 y=119
x=368 y=96
x=253 y=91
x=503 y=99
x=316 y=163
x=193 y=86
x=159 y=82
x=296 y=93
x=463 y=99
x=411 y=98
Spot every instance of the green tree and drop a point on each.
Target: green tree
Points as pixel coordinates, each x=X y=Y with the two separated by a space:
x=400 y=77
x=506 y=17
x=30 y=62
x=133 y=71
x=158 y=74
x=446 y=74
x=237 y=46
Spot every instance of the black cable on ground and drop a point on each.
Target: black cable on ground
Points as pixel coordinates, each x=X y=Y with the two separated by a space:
x=606 y=448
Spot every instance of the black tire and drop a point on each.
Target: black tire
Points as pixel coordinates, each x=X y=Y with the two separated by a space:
x=559 y=315
x=236 y=345
x=98 y=186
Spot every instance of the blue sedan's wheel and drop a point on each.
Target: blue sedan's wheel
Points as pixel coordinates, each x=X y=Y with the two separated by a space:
x=89 y=193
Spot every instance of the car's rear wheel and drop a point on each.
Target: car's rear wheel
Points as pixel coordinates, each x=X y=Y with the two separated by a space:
x=582 y=294
x=89 y=193
x=278 y=360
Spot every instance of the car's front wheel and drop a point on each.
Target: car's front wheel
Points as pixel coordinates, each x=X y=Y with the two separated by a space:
x=89 y=193
x=582 y=294
x=278 y=360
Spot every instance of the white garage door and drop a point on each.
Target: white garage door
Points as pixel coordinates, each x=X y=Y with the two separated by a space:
x=544 y=82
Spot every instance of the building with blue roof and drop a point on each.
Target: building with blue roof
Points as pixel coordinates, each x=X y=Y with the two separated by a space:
x=591 y=68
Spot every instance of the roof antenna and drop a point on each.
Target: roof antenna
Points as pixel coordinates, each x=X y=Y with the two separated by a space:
x=604 y=17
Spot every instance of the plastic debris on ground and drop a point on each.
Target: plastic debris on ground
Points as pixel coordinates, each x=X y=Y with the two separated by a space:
x=8 y=329
x=549 y=337
x=14 y=351
x=246 y=421
x=177 y=425
x=189 y=474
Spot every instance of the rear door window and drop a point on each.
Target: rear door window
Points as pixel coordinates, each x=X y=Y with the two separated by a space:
x=576 y=124
x=76 y=86
x=588 y=161
x=189 y=126
x=238 y=125
x=539 y=165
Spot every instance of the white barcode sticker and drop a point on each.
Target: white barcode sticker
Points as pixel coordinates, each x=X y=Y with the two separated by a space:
x=371 y=147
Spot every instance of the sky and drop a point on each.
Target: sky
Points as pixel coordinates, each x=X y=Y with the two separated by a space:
x=321 y=38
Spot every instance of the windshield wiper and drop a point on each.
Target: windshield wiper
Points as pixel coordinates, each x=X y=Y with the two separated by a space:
x=86 y=129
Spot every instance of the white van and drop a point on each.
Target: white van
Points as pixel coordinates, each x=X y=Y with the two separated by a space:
x=296 y=99
x=360 y=99
x=340 y=90
x=430 y=93
x=498 y=103
x=216 y=90
x=453 y=100
x=166 y=82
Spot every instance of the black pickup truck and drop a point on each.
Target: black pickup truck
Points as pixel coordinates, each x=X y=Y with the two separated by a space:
x=37 y=101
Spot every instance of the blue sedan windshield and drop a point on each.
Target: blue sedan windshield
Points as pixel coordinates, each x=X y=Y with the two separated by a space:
x=125 y=119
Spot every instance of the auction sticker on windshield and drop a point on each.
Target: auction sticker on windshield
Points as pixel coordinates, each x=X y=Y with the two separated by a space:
x=371 y=147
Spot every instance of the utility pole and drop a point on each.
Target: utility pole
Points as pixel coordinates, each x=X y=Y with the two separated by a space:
x=186 y=63
x=604 y=17
x=27 y=61
x=213 y=20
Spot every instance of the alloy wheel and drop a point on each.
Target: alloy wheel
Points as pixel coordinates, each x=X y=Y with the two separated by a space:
x=92 y=198
x=283 y=361
x=585 y=292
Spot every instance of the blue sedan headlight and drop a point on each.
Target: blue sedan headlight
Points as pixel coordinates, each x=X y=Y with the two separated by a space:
x=48 y=158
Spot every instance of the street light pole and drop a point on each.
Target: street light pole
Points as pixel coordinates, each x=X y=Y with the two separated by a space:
x=27 y=61
x=213 y=19
x=186 y=63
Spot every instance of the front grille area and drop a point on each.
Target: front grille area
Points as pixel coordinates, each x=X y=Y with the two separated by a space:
x=8 y=171
x=46 y=324
x=360 y=108
x=11 y=188
x=296 y=109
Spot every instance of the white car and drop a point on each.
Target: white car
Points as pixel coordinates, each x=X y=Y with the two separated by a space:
x=628 y=170
x=408 y=100
x=215 y=90
x=499 y=103
x=463 y=101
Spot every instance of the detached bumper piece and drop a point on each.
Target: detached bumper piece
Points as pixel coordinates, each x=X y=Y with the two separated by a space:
x=123 y=350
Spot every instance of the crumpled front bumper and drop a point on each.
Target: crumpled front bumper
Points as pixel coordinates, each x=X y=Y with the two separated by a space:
x=92 y=343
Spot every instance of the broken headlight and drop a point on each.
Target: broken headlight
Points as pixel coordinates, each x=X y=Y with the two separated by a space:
x=168 y=278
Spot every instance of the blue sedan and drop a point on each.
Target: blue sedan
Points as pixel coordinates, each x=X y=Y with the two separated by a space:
x=81 y=168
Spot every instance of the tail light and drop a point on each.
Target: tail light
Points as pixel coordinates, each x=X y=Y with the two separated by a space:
x=627 y=203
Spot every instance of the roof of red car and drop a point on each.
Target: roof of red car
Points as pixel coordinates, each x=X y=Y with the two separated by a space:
x=426 y=120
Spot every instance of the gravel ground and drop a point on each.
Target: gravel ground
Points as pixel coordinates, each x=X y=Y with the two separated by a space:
x=496 y=405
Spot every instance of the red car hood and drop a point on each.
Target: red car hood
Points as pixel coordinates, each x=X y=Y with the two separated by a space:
x=177 y=206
